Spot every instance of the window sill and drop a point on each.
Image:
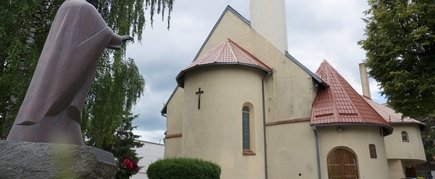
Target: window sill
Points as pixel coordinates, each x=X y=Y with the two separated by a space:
x=248 y=152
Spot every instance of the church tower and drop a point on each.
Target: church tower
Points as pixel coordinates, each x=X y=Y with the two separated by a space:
x=268 y=18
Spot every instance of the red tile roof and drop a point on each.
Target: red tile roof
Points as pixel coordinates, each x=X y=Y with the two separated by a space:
x=390 y=115
x=340 y=104
x=226 y=53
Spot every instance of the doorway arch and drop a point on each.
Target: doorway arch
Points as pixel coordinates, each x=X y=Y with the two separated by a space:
x=342 y=163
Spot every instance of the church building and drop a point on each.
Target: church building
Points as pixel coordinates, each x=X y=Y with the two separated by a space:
x=246 y=104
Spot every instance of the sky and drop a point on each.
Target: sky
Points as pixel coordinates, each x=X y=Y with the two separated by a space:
x=317 y=30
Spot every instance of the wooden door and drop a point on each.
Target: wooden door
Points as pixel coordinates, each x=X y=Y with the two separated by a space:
x=342 y=164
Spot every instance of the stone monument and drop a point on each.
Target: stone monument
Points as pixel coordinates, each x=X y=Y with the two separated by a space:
x=51 y=110
x=48 y=160
x=50 y=115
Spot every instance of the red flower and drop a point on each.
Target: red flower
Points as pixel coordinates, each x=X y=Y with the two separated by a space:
x=130 y=165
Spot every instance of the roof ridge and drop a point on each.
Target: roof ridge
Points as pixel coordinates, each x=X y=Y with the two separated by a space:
x=250 y=55
x=227 y=9
x=220 y=49
x=336 y=113
x=359 y=96
x=339 y=77
x=231 y=50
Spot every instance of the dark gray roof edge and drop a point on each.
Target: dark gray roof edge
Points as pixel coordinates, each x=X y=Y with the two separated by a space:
x=228 y=8
x=163 y=111
x=313 y=75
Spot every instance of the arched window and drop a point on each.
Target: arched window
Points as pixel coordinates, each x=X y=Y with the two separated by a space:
x=372 y=150
x=405 y=137
x=342 y=164
x=246 y=128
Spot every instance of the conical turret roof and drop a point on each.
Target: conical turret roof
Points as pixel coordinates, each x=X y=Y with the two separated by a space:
x=226 y=53
x=340 y=104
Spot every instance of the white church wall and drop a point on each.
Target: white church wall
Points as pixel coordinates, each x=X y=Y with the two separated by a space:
x=356 y=138
x=230 y=27
x=174 y=122
x=411 y=150
x=395 y=168
x=173 y=147
x=175 y=113
x=290 y=94
x=290 y=91
x=291 y=151
x=214 y=132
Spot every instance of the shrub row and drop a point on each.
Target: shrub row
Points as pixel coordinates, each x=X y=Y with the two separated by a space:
x=183 y=168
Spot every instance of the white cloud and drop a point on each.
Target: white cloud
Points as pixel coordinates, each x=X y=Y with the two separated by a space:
x=148 y=108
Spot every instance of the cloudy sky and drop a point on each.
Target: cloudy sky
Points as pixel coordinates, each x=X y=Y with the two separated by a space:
x=316 y=29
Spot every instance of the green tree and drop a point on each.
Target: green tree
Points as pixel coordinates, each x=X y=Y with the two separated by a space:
x=22 y=32
x=400 y=50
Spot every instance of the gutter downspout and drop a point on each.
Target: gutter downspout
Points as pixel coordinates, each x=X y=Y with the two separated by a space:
x=319 y=171
x=264 y=124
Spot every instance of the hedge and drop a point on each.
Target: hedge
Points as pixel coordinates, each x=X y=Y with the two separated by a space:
x=183 y=168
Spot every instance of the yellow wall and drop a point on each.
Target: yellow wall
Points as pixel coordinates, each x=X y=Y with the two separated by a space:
x=357 y=139
x=174 y=120
x=174 y=113
x=412 y=150
x=215 y=131
x=396 y=169
x=290 y=91
x=291 y=150
x=289 y=95
x=172 y=147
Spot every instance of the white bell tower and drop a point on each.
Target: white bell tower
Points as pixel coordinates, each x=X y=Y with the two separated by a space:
x=268 y=18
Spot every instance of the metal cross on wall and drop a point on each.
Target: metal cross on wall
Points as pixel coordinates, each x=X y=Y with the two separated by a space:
x=199 y=92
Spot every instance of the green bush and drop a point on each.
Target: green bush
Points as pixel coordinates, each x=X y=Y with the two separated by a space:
x=183 y=168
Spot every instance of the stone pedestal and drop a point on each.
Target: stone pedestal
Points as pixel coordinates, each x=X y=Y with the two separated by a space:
x=46 y=160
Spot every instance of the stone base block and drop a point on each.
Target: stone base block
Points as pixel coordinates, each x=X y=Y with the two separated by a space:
x=46 y=160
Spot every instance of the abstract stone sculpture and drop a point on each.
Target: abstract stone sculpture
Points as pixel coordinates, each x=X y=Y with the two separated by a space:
x=51 y=110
